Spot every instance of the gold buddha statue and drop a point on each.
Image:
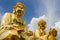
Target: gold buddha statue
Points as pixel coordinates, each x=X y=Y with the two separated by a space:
x=12 y=24
x=40 y=30
x=52 y=34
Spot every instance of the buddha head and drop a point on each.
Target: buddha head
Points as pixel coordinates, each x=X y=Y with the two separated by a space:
x=42 y=24
x=19 y=9
x=53 y=32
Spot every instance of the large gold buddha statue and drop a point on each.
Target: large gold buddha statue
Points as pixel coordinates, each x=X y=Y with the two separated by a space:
x=12 y=24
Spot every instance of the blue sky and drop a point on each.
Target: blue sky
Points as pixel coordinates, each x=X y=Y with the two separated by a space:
x=35 y=8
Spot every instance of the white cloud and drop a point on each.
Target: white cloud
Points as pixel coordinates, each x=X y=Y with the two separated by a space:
x=57 y=24
x=33 y=24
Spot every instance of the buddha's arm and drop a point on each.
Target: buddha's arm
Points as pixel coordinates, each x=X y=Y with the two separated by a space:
x=6 y=19
x=37 y=33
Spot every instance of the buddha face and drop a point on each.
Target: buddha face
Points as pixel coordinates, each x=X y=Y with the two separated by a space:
x=42 y=24
x=19 y=9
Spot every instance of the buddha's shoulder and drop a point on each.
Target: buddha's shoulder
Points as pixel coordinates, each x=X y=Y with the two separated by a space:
x=7 y=14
